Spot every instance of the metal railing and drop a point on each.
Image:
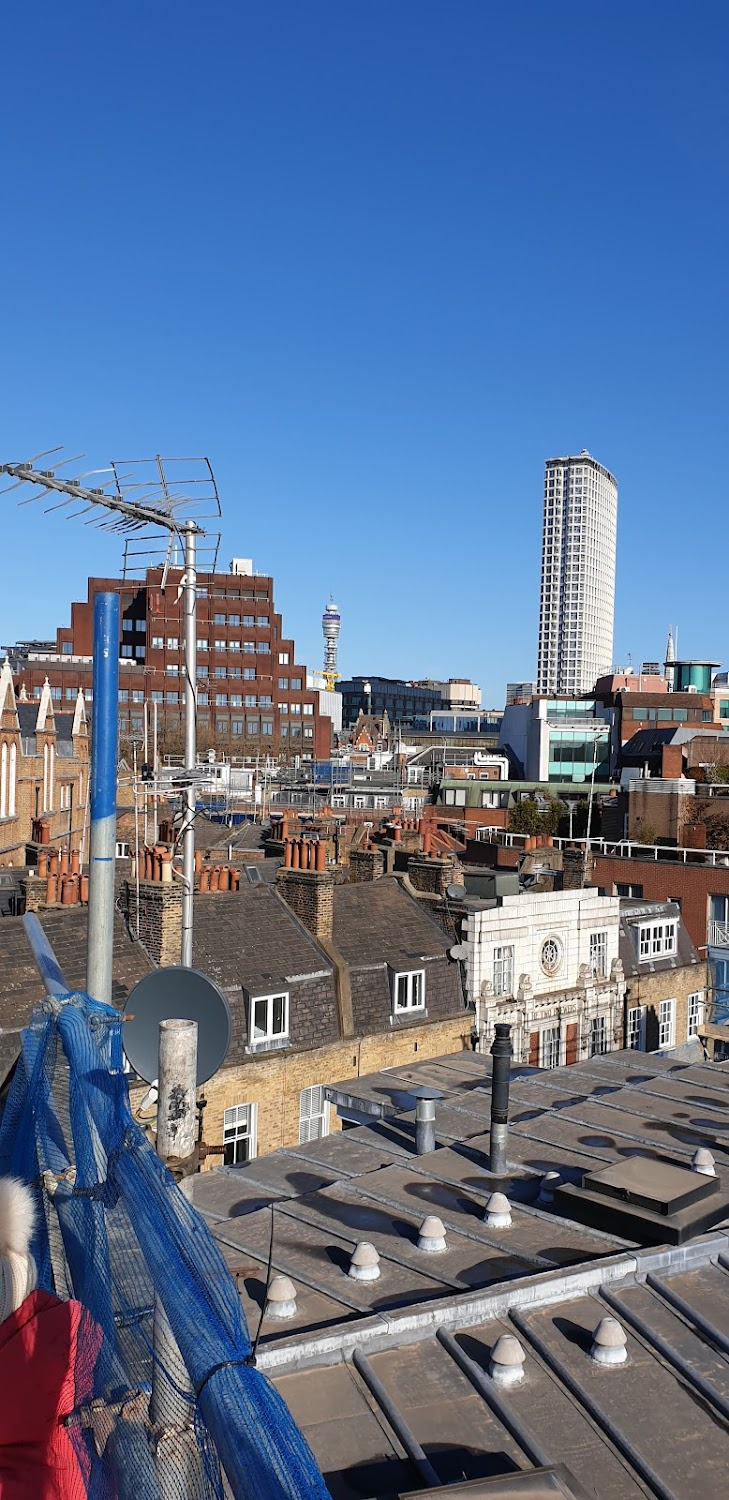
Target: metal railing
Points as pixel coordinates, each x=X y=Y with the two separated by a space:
x=615 y=848
x=718 y=935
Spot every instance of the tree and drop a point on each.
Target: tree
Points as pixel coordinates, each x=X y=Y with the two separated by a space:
x=528 y=817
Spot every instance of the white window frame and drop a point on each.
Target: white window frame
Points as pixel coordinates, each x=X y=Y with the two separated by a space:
x=598 y=1033
x=549 y=1047
x=407 y=988
x=599 y=954
x=694 y=1013
x=272 y=1034
x=667 y=1023
x=635 y=1026
x=240 y=1123
x=503 y=969
x=64 y=796
x=657 y=939
x=313 y=1114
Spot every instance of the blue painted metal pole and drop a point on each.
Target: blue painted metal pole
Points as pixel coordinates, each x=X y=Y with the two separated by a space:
x=102 y=846
x=46 y=961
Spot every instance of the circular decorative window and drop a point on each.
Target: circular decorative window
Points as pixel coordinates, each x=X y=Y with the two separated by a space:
x=551 y=955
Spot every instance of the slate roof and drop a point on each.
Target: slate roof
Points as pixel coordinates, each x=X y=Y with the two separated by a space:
x=380 y=921
x=250 y=939
x=632 y=914
x=20 y=985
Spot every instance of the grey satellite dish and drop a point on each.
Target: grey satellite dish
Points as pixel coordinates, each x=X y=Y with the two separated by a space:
x=455 y=892
x=176 y=994
x=459 y=950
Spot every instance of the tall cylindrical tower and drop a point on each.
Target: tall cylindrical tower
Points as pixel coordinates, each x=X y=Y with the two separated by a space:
x=331 y=625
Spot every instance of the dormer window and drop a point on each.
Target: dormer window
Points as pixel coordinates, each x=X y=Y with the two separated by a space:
x=269 y=1022
x=408 y=990
x=656 y=940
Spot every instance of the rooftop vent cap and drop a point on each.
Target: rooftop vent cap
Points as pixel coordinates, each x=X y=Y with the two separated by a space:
x=702 y=1161
x=498 y=1212
x=431 y=1236
x=550 y=1181
x=609 y=1343
x=506 y=1366
x=281 y=1299
x=365 y=1262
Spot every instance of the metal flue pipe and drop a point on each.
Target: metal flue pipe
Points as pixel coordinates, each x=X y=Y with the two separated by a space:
x=102 y=843
x=501 y=1053
x=424 y=1126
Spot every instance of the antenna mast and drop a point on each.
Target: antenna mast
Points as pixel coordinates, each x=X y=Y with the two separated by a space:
x=139 y=499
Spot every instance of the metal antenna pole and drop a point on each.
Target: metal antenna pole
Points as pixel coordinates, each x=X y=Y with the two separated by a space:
x=188 y=822
x=102 y=844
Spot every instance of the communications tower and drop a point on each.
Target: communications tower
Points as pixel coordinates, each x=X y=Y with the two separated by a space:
x=331 y=625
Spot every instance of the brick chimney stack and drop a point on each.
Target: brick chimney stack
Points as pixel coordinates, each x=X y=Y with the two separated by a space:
x=160 y=917
x=308 y=888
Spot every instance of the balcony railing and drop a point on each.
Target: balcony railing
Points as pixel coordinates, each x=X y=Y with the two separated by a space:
x=719 y=935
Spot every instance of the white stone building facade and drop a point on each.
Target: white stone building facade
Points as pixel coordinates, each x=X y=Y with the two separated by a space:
x=548 y=964
x=577 y=600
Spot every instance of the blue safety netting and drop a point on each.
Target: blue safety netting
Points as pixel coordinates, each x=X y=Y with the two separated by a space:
x=168 y=1396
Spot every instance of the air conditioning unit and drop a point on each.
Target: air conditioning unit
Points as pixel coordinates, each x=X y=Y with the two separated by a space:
x=692 y=688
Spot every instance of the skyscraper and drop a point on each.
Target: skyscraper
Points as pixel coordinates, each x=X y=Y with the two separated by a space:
x=578 y=575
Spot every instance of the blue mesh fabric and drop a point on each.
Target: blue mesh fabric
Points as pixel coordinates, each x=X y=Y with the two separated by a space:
x=115 y=1231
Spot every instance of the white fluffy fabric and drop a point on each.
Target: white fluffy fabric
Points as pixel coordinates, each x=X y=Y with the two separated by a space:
x=17 y=1216
x=18 y=1275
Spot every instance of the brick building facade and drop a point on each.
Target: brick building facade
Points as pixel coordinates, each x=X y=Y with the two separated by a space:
x=690 y=885
x=44 y=758
x=251 y=692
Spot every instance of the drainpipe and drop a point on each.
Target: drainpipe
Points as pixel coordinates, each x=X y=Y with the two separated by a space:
x=501 y=1053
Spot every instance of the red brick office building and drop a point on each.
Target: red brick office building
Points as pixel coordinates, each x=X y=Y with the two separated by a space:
x=251 y=690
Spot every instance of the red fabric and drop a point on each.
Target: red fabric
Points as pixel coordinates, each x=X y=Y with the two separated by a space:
x=42 y=1380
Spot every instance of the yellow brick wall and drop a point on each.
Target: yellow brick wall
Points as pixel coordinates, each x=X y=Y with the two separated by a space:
x=274 y=1083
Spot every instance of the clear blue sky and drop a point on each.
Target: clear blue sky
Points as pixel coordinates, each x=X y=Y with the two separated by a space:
x=377 y=259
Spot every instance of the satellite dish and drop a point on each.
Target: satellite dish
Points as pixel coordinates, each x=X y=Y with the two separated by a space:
x=455 y=892
x=459 y=950
x=178 y=994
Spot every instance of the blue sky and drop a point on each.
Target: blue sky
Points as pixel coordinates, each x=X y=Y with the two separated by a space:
x=378 y=259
